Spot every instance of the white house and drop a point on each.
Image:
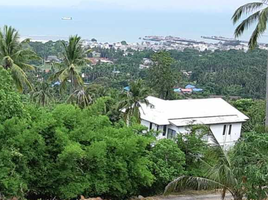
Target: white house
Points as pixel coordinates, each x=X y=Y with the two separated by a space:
x=172 y=117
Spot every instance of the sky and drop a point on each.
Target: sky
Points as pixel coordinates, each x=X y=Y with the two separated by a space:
x=179 y=5
x=117 y=20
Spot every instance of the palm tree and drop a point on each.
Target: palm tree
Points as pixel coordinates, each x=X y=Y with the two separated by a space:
x=15 y=56
x=258 y=15
x=132 y=100
x=97 y=91
x=80 y=97
x=74 y=56
x=220 y=175
x=42 y=94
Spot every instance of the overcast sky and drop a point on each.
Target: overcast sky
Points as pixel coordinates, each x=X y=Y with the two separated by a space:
x=122 y=19
x=180 y=5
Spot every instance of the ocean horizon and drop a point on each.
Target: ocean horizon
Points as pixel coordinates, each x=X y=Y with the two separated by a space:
x=44 y=23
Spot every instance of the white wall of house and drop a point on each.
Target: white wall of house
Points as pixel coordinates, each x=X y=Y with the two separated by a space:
x=226 y=138
x=230 y=136
x=145 y=123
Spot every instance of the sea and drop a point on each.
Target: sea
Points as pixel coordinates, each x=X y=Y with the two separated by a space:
x=45 y=23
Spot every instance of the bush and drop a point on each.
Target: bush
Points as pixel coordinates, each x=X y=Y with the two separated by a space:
x=249 y=157
x=10 y=102
x=195 y=148
x=70 y=152
x=168 y=163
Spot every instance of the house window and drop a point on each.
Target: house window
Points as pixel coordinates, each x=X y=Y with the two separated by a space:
x=164 y=130
x=171 y=134
x=151 y=125
x=157 y=127
x=230 y=130
x=224 y=130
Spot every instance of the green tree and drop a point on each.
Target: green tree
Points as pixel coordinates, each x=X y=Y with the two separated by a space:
x=15 y=56
x=132 y=99
x=43 y=94
x=124 y=43
x=168 y=163
x=97 y=91
x=67 y=151
x=194 y=147
x=74 y=56
x=10 y=102
x=255 y=110
x=220 y=175
x=162 y=78
x=259 y=13
x=250 y=159
x=80 y=97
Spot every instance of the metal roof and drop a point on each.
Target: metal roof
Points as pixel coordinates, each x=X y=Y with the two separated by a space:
x=189 y=86
x=193 y=111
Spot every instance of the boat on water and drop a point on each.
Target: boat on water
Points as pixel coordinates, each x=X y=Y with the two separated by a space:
x=67 y=18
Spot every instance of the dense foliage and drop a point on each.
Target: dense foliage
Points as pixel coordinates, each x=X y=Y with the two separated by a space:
x=242 y=171
x=10 y=100
x=87 y=140
x=251 y=164
x=168 y=163
x=227 y=73
x=255 y=110
x=66 y=151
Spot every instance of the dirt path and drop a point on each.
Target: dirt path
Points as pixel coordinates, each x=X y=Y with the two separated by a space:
x=197 y=197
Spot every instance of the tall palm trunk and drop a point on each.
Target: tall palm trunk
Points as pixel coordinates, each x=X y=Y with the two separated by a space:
x=266 y=113
x=128 y=120
x=72 y=84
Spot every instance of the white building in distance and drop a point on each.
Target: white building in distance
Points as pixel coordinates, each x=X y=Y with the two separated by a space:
x=172 y=117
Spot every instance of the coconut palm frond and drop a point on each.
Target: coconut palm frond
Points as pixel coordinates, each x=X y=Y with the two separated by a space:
x=80 y=98
x=131 y=103
x=15 y=56
x=56 y=75
x=63 y=86
x=20 y=78
x=245 y=24
x=26 y=55
x=198 y=183
x=245 y=9
x=58 y=66
x=25 y=66
x=260 y=11
x=42 y=94
x=74 y=56
x=260 y=28
x=64 y=75
x=78 y=79
x=136 y=113
x=218 y=150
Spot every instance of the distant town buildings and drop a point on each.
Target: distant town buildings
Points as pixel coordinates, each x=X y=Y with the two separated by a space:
x=157 y=43
x=96 y=54
x=52 y=59
x=189 y=89
x=146 y=63
x=95 y=61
